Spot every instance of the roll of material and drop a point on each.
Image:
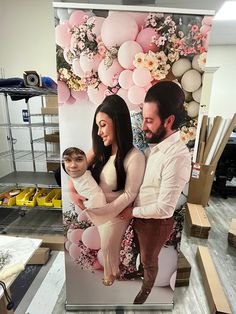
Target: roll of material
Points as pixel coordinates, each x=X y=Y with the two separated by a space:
x=11 y=270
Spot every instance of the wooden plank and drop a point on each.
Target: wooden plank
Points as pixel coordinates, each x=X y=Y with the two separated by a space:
x=211 y=138
x=202 y=137
x=215 y=294
x=225 y=140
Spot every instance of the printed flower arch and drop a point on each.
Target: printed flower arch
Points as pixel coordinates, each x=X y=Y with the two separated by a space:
x=127 y=52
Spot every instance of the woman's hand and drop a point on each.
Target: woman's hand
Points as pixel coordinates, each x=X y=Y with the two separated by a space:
x=76 y=198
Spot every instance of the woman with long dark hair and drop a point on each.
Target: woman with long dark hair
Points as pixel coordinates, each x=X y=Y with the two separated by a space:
x=118 y=168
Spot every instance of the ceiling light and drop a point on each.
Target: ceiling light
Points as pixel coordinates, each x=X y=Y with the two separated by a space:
x=227 y=11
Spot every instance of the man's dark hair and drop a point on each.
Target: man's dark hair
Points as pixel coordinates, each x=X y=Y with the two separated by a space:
x=169 y=98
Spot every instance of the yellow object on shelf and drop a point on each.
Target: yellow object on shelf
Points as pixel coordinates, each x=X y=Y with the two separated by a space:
x=56 y=201
x=30 y=199
x=6 y=199
x=41 y=195
x=22 y=197
x=48 y=199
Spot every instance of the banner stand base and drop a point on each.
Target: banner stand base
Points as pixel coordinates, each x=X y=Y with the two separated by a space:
x=106 y=307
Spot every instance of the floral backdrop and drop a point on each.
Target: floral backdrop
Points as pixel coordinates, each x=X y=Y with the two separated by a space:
x=125 y=53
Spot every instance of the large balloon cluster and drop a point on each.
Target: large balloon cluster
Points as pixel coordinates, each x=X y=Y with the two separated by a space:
x=117 y=54
x=81 y=241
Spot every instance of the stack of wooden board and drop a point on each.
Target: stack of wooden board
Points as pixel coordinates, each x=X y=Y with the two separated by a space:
x=197 y=222
x=232 y=233
x=211 y=137
x=183 y=271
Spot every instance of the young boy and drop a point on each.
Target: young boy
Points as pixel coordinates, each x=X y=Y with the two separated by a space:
x=75 y=163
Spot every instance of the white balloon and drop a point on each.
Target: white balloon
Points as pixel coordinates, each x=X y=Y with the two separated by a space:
x=193 y=109
x=195 y=64
x=197 y=95
x=181 y=66
x=167 y=265
x=191 y=80
x=173 y=280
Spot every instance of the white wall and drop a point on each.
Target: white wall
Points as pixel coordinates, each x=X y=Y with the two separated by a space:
x=223 y=93
x=27 y=37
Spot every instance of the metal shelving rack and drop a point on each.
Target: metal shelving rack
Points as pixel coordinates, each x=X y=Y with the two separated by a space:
x=23 y=178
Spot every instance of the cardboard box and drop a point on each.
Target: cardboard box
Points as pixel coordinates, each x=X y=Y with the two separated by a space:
x=183 y=271
x=200 y=184
x=232 y=233
x=50 y=110
x=40 y=257
x=197 y=222
x=52 y=138
x=51 y=101
x=215 y=294
x=52 y=166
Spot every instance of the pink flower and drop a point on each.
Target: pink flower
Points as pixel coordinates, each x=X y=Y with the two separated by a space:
x=194 y=28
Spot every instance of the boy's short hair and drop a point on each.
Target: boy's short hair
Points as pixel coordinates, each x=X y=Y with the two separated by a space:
x=73 y=150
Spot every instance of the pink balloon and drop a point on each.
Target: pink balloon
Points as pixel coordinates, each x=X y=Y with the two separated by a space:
x=63 y=92
x=144 y=38
x=136 y=95
x=98 y=21
x=100 y=257
x=63 y=35
x=205 y=29
x=67 y=245
x=82 y=216
x=91 y=238
x=96 y=95
x=207 y=20
x=76 y=68
x=125 y=79
x=124 y=94
x=77 y=18
x=106 y=74
x=79 y=95
x=88 y=64
x=141 y=77
x=96 y=265
x=70 y=101
x=118 y=28
x=74 y=251
x=74 y=235
x=127 y=52
x=139 y=18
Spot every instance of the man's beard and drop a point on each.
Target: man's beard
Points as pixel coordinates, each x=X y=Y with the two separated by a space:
x=158 y=136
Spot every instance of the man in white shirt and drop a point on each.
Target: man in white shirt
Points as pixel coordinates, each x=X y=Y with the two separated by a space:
x=167 y=171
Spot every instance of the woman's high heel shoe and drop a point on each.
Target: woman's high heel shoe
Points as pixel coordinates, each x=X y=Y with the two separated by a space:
x=108 y=281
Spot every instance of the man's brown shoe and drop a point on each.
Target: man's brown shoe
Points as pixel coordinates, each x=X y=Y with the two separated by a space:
x=142 y=296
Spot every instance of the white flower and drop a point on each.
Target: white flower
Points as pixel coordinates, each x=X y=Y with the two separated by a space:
x=139 y=60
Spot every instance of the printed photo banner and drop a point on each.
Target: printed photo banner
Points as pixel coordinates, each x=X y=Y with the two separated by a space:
x=102 y=52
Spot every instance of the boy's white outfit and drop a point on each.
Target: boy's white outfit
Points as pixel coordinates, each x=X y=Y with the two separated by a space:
x=88 y=188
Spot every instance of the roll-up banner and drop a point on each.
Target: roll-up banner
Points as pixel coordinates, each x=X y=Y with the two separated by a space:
x=129 y=91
